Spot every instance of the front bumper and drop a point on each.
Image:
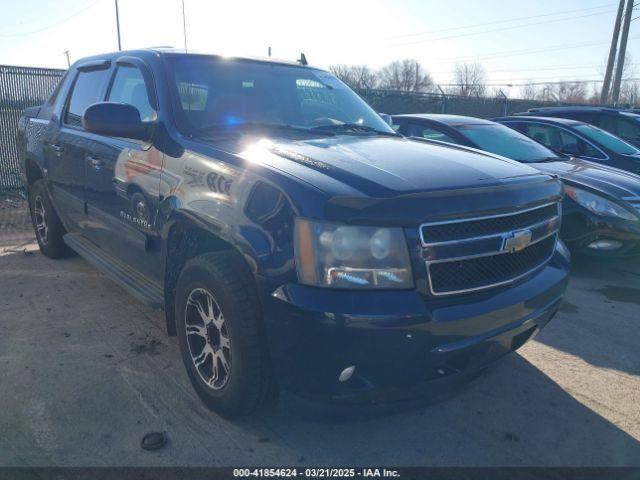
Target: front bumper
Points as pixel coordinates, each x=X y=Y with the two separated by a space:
x=400 y=340
x=581 y=228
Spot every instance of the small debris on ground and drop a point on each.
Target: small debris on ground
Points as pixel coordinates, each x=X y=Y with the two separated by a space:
x=154 y=440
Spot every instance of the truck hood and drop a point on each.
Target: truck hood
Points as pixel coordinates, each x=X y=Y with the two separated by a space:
x=601 y=178
x=387 y=166
x=392 y=180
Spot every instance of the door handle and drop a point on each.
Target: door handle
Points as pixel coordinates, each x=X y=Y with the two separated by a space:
x=96 y=162
x=56 y=148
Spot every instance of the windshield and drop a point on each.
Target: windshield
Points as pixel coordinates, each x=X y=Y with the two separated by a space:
x=504 y=141
x=607 y=140
x=217 y=94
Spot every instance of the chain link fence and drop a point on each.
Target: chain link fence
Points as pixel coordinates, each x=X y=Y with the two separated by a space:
x=20 y=87
x=394 y=102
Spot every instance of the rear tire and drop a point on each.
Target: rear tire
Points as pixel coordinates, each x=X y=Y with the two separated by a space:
x=46 y=223
x=220 y=333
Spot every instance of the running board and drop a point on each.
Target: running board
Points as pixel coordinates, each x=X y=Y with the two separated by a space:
x=132 y=281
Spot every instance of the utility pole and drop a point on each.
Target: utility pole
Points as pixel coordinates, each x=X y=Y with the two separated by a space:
x=66 y=52
x=118 y=26
x=184 y=27
x=604 y=96
x=615 y=93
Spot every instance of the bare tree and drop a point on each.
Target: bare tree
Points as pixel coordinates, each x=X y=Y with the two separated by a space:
x=469 y=80
x=627 y=86
x=359 y=77
x=547 y=93
x=406 y=76
x=594 y=97
x=572 y=92
x=630 y=93
x=565 y=92
x=529 y=91
x=629 y=89
x=343 y=72
x=364 y=77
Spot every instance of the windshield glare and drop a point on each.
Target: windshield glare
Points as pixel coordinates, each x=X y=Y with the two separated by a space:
x=607 y=140
x=502 y=140
x=212 y=92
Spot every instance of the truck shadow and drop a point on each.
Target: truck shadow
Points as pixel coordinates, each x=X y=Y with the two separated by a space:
x=598 y=320
x=515 y=415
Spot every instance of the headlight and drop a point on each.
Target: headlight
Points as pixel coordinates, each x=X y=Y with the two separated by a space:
x=598 y=205
x=341 y=256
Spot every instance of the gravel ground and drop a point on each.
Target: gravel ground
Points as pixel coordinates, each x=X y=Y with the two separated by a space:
x=86 y=371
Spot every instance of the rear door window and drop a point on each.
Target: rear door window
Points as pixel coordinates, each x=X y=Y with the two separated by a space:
x=87 y=90
x=561 y=140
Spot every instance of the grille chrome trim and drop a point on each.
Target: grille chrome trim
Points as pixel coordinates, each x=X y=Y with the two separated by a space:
x=493 y=285
x=485 y=237
x=487 y=254
x=485 y=217
x=553 y=223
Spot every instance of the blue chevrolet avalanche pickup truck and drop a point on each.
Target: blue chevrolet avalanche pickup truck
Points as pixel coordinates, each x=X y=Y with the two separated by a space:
x=293 y=239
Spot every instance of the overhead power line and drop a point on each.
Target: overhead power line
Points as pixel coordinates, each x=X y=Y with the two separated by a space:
x=502 y=29
x=497 y=22
x=535 y=69
x=52 y=25
x=560 y=78
x=594 y=80
x=513 y=53
x=511 y=84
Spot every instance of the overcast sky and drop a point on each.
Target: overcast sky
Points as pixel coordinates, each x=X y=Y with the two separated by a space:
x=516 y=41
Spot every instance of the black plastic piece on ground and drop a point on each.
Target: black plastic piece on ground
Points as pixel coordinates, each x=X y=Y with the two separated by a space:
x=153 y=441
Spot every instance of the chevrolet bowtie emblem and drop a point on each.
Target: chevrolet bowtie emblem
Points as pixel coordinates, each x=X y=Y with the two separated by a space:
x=516 y=241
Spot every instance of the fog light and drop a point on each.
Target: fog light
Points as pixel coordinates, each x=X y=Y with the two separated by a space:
x=605 y=245
x=346 y=373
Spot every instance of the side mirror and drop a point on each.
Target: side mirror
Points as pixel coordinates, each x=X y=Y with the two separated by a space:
x=387 y=118
x=115 y=120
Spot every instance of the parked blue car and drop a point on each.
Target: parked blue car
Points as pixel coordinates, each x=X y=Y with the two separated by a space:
x=577 y=139
x=621 y=123
x=601 y=206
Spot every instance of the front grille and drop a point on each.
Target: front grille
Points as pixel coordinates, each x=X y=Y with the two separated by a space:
x=473 y=273
x=484 y=252
x=441 y=232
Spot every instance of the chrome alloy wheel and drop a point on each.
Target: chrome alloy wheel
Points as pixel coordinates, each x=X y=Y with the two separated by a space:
x=207 y=338
x=40 y=219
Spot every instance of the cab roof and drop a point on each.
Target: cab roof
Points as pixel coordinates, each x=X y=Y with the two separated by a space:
x=162 y=50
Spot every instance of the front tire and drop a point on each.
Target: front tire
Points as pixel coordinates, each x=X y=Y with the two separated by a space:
x=46 y=223
x=220 y=334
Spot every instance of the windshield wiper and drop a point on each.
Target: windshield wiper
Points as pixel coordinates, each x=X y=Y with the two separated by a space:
x=352 y=128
